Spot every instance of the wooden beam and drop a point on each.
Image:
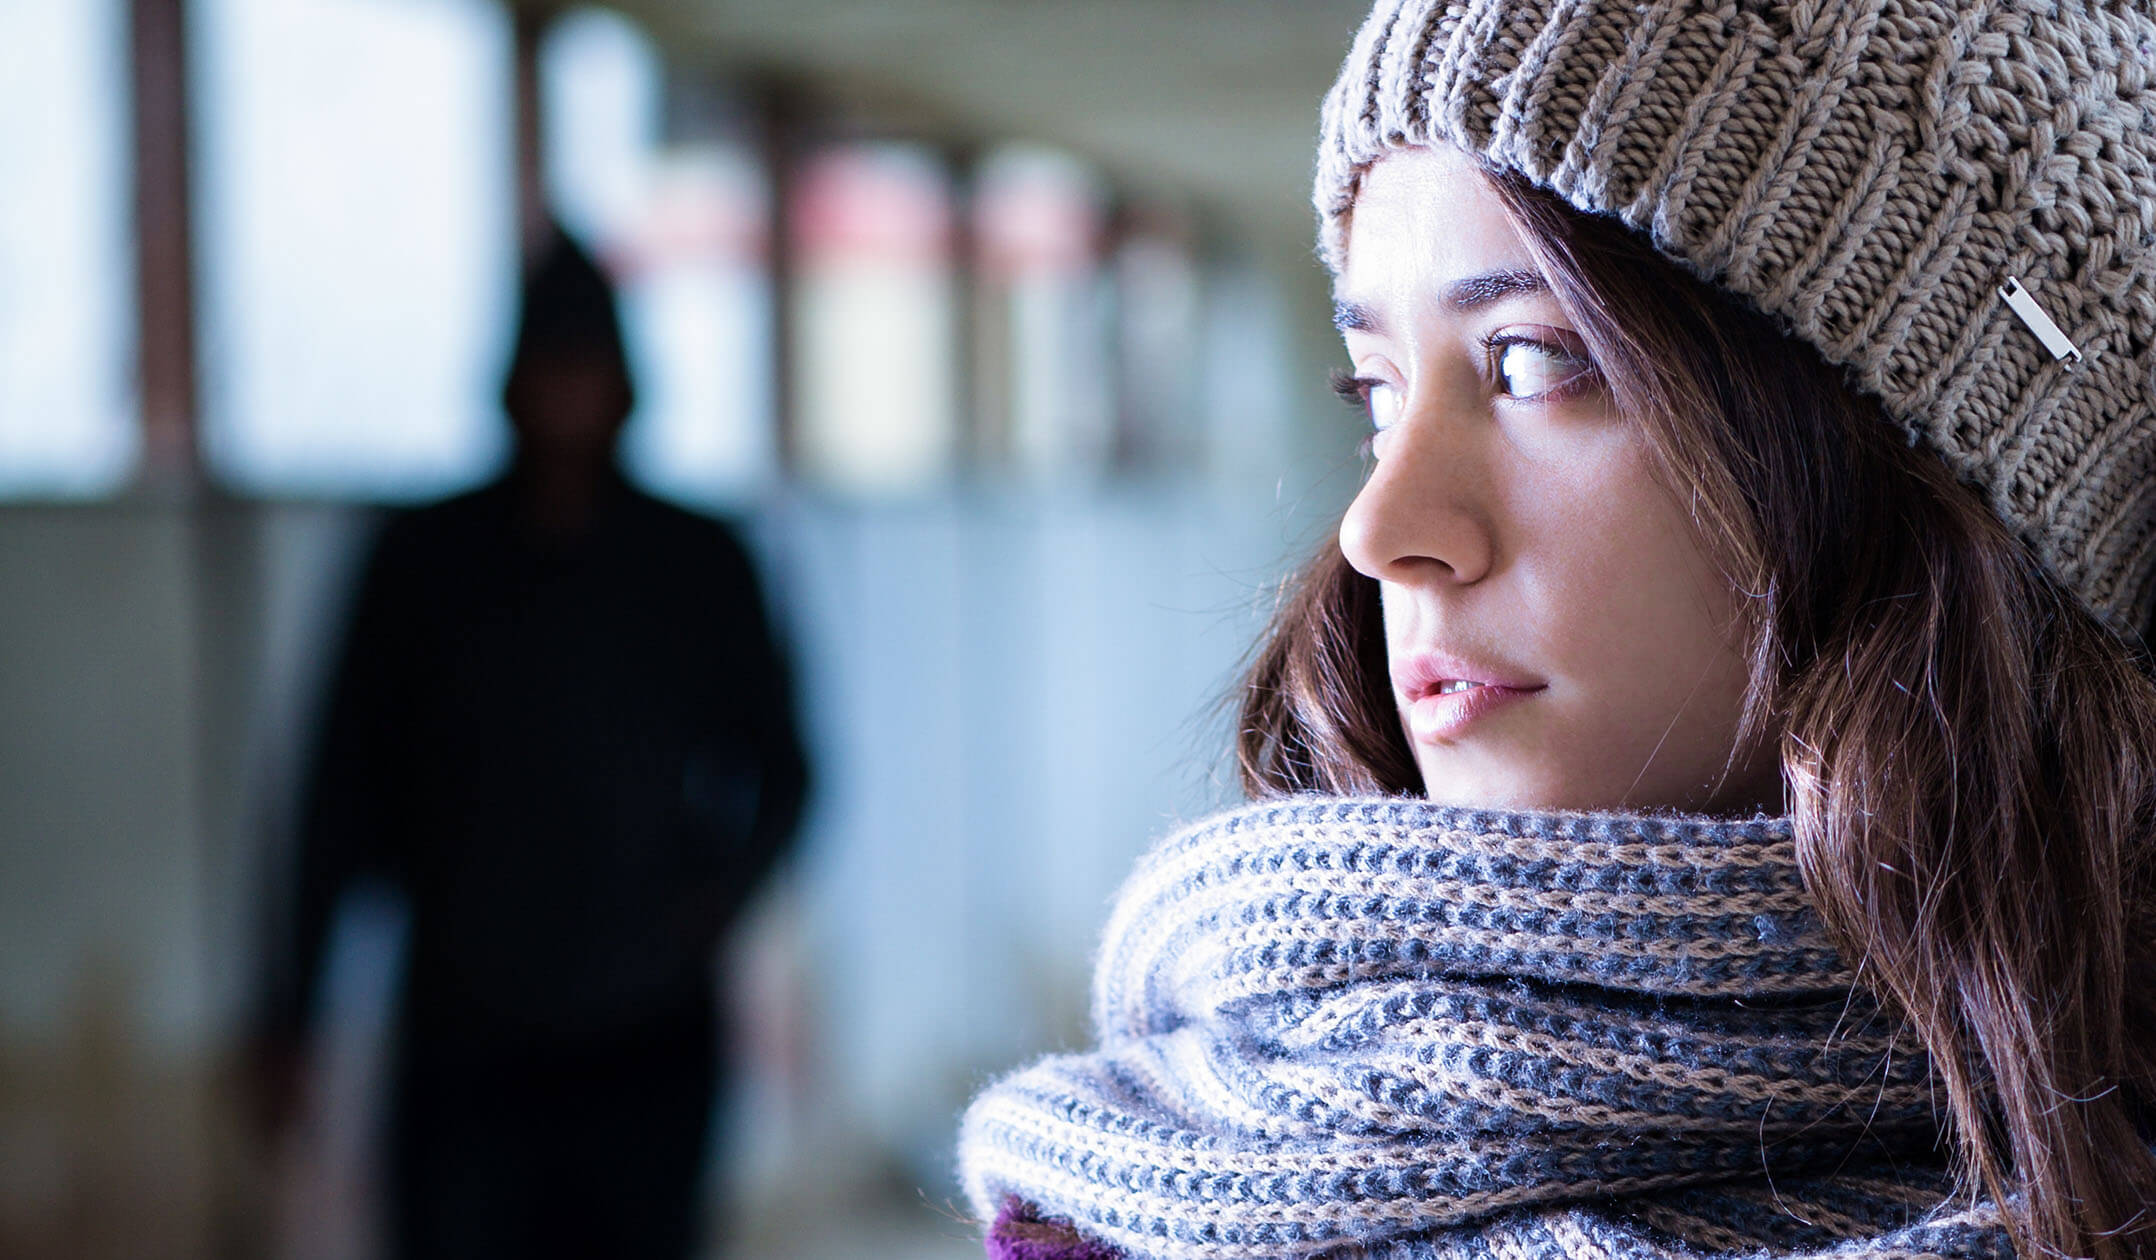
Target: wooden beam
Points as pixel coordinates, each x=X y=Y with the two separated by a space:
x=780 y=116
x=529 y=23
x=164 y=246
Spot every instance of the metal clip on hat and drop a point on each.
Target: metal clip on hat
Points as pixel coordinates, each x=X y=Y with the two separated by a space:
x=2023 y=303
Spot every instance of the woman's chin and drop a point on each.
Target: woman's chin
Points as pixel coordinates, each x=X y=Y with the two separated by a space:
x=1488 y=791
x=1529 y=787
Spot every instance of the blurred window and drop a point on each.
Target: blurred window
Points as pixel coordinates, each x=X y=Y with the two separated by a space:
x=673 y=201
x=1248 y=428
x=68 y=422
x=1158 y=292
x=1047 y=385
x=357 y=235
x=875 y=349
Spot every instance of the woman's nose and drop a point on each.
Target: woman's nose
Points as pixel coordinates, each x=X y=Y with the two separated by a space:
x=1423 y=514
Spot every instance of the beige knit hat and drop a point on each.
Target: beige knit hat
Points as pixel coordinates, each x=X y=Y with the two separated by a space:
x=1956 y=201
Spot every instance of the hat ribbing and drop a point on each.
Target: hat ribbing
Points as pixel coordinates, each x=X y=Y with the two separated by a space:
x=1869 y=173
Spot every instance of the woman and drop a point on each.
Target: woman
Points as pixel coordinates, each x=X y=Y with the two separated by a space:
x=1705 y=801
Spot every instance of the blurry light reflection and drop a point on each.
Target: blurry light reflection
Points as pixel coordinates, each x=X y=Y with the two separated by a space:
x=680 y=222
x=1158 y=290
x=357 y=242
x=67 y=404
x=1048 y=397
x=875 y=348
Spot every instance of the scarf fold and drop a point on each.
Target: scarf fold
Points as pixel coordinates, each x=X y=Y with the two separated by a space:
x=1393 y=1028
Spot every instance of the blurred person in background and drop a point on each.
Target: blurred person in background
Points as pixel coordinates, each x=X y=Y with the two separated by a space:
x=561 y=727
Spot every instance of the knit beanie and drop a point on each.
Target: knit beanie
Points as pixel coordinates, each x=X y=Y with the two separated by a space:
x=1954 y=201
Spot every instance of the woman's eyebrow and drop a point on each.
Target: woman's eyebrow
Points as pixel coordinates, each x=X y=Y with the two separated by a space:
x=1463 y=295
x=1353 y=317
x=1470 y=292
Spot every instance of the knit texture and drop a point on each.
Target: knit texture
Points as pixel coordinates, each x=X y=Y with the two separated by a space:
x=1866 y=172
x=1423 y=1030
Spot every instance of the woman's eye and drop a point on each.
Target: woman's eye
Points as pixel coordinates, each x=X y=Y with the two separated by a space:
x=1377 y=399
x=1538 y=371
x=1528 y=368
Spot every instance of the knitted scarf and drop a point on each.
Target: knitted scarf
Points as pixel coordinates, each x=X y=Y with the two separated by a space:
x=1389 y=1028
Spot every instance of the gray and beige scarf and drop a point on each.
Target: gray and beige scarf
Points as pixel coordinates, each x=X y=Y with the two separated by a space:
x=1389 y=1028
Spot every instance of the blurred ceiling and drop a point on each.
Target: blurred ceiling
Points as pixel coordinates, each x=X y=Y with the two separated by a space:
x=1216 y=100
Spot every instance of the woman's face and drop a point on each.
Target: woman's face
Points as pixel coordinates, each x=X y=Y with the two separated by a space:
x=1516 y=533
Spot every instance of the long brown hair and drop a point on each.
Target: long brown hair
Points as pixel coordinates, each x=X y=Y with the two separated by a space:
x=1969 y=754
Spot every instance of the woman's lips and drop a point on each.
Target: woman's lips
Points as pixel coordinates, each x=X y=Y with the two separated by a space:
x=1435 y=717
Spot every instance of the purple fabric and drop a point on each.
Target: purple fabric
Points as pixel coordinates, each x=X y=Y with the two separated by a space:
x=1020 y=1234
